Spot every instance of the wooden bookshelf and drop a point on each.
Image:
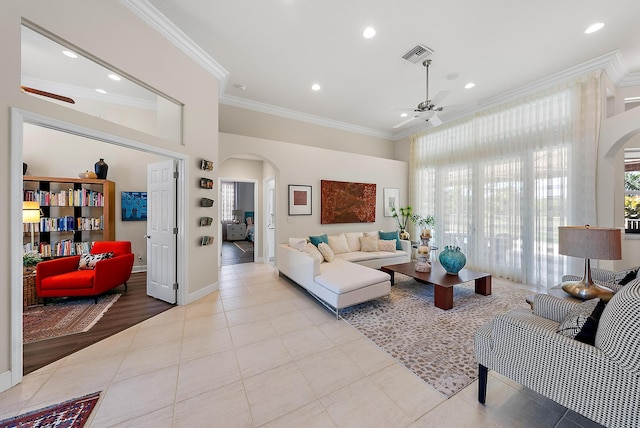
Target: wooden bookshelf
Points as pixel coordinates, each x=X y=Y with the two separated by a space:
x=87 y=215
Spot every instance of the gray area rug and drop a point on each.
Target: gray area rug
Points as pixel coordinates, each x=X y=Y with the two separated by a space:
x=435 y=344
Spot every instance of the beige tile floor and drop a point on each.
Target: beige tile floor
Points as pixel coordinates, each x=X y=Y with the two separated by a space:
x=262 y=353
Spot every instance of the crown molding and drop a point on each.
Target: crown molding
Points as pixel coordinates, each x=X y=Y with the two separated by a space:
x=303 y=117
x=156 y=20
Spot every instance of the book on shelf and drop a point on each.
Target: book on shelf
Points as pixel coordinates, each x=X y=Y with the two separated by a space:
x=72 y=198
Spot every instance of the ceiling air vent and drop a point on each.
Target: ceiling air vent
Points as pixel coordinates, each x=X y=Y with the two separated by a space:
x=417 y=53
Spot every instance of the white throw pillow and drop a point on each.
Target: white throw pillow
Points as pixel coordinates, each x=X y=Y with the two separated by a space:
x=313 y=251
x=89 y=261
x=373 y=233
x=326 y=252
x=353 y=239
x=387 y=245
x=338 y=244
x=369 y=243
x=298 y=243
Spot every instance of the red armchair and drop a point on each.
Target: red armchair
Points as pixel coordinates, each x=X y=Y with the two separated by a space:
x=62 y=278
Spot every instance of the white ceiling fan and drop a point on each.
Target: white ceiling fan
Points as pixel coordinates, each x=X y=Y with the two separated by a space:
x=428 y=109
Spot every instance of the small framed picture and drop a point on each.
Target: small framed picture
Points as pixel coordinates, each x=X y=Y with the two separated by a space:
x=206 y=202
x=299 y=200
x=206 y=183
x=206 y=240
x=206 y=221
x=391 y=198
x=206 y=165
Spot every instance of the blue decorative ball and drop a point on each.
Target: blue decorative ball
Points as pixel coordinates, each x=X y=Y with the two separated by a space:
x=452 y=259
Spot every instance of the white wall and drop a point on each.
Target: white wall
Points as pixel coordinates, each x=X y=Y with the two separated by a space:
x=304 y=165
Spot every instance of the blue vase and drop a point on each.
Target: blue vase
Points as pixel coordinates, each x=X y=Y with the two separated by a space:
x=452 y=259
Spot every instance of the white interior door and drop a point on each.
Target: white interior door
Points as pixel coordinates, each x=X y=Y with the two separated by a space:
x=161 y=231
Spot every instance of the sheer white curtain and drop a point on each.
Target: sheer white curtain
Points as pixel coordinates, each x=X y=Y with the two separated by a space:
x=228 y=196
x=500 y=183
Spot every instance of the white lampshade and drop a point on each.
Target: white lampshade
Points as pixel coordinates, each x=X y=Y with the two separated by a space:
x=590 y=242
x=30 y=212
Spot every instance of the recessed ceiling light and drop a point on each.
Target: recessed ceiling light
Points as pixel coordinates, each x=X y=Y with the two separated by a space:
x=70 y=54
x=101 y=91
x=369 y=33
x=404 y=115
x=315 y=87
x=114 y=76
x=469 y=85
x=593 y=28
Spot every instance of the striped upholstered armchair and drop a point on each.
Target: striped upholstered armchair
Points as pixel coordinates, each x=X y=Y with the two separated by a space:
x=600 y=381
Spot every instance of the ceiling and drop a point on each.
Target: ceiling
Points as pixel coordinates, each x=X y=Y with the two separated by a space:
x=276 y=49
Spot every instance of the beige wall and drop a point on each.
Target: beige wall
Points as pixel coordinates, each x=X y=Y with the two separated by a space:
x=305 y=165
x=234 y=120
x=104 y=29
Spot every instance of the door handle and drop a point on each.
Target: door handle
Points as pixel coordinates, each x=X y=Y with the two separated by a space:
x=147 y=236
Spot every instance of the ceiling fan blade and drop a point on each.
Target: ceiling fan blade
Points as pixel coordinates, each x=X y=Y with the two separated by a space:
x=435 y=120
x=47 y=94
x=412 y=109
x=404 y=122
x=441 y=95
x=464 y=106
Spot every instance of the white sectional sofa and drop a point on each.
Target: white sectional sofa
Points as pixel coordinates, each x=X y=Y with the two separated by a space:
x=350 y=277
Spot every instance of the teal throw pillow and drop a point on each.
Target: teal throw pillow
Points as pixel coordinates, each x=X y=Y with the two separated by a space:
x=391 y=235
x=316 y=240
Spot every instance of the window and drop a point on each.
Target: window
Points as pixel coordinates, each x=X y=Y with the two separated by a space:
x=68 y=77
x=228 y=196
x=500 y=183
x=632 y=191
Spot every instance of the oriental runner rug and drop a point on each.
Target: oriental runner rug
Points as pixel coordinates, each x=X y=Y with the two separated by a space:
x=435 y=344
x=64 y=317
x=70 y=414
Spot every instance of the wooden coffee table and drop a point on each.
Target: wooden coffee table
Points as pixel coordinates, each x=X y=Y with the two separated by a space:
x=442 y=282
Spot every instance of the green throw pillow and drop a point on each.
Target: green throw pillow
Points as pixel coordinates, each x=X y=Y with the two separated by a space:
x=316 y=240
x=391 y=235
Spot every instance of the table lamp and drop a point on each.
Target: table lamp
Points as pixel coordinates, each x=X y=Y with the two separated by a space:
x=589 y=243
x=31 y=215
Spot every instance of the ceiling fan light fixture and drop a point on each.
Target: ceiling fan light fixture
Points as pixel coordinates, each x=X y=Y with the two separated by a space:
x=369 y=33
x=594 y=27
x=404 y=114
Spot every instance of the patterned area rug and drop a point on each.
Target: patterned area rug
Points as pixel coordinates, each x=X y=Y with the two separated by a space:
x=245 y=246
x=69 y=316
x=70 y=414
x=435 y=344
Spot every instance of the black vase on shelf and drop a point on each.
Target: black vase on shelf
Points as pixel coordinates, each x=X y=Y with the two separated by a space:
x=101 y=168
x=24 y=168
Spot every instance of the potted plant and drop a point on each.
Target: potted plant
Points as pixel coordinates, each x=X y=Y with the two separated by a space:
x=425 y=223
x=29 y=260
x=402 y=217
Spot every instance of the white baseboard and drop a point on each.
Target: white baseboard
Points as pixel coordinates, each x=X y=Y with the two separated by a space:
x=5 y=380
x=140 y=268
x=192 y=297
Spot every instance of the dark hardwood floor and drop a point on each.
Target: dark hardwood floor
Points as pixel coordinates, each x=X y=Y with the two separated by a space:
x=133 y=307
x=232 y=255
